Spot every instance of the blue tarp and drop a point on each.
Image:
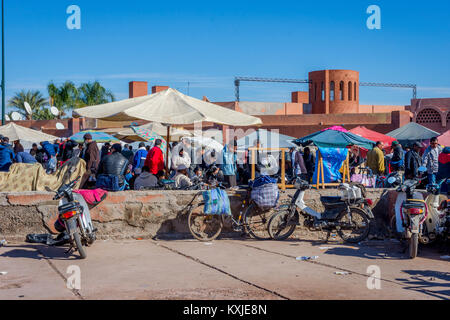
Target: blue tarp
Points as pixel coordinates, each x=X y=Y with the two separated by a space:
x=333 y=159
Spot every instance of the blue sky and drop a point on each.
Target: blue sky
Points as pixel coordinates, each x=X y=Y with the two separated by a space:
x=207 y=43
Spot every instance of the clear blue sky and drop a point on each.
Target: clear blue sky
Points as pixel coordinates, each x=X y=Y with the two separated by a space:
x=209 y=42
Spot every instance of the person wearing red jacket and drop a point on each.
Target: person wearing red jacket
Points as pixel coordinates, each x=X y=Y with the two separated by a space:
x=155 y=158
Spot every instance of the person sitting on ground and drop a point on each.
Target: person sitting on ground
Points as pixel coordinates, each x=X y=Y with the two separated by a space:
x=25 y=157
x=140 y=156
x=146 y=179
x=182 y=180
x=114 y=164
x=213 y=176
x=6 y=155
x=375 y=159
x=198 y=175
x=18 y=147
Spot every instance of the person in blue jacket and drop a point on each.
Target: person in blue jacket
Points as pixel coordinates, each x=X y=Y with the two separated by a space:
x=228 y=166
x=50 y=150
x=6 y=155
x=140 y=156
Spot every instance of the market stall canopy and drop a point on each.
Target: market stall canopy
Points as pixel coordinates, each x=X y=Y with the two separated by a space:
x=169 y=107
x=15 y=132
x=412 y=132
x=97 y=136
x=445 y=139
x=129 y=135
x=268 y=139
x=335 y=137
x=373 y=136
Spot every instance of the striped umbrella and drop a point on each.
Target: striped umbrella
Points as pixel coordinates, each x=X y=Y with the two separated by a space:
x=97 y=136
x=150 y=136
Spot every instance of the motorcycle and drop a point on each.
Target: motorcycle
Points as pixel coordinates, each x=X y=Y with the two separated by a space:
x=74 y=219
x=350 y=212
x=411 y=211
x=435 y=225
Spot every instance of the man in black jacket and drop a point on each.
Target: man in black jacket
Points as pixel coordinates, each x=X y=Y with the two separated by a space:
x=114 y=164
x=413 y=161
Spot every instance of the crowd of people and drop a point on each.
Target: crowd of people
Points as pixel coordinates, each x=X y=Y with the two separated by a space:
x=119 y=168
x=407 y=160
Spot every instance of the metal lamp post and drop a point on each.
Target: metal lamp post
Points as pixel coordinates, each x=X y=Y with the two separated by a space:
x=3 y=63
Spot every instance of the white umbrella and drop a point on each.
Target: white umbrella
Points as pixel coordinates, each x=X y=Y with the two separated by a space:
x=167 y=107
x=15 y=132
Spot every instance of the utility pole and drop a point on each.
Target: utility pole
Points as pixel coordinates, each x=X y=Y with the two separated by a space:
x=3 y=62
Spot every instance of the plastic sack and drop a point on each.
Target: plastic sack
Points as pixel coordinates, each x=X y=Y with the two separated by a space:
x=48 y=239
x=216 y=202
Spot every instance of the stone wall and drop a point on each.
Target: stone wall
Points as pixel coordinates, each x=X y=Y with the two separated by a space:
x=146 y=214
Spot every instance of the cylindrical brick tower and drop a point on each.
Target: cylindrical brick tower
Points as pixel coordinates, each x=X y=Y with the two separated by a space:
x=334 y=91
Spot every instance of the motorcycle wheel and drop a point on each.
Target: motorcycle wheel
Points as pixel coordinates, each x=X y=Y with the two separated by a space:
x=360 y=225
x=282 y=224
x=413 y=245
x=81 y=250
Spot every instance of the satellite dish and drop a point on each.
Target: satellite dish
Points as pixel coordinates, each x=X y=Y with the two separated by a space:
x=7 y=117
x=28 y=108
x=16 y=116
x=60 y=126
x=54 y=111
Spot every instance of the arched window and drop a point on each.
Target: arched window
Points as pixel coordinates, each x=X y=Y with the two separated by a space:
x=341 y=90
x=332 y=91
x=349 y=91
x=354 y=89
x=315 y=91
x=322 y=91
x=428 y=116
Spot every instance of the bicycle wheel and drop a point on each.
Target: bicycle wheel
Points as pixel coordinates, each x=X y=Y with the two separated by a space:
x=355 y=228
x=204 y=227
x=255 y=222
x=282 y=224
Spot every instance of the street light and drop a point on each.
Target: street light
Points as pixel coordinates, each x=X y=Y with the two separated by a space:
x=3 y=62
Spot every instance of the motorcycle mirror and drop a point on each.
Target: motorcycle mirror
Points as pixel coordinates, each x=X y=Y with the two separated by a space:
x=422 y=169
x=48 y=189
x=391 y=180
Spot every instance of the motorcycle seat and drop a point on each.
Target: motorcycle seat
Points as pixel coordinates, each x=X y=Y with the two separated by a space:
x=413 y=204
x=331 y=200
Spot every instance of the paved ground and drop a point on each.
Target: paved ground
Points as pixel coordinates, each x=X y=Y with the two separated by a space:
x=223 y=269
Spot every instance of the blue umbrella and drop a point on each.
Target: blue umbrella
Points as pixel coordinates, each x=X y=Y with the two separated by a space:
x=97 y=136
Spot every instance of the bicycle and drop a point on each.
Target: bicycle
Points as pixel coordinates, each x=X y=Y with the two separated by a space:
x=207 y=227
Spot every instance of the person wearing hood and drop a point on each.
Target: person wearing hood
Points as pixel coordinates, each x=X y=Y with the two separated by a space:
x=180 y=157
x=6 y=155
x=114 y=164
x=155 y=158
x=67 y=150
x=140 y=156
x=146 y=179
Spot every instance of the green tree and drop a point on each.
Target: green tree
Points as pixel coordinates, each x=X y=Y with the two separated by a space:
x=93 y=94
x=64 y=98
x=43 y=114
x=34 y=98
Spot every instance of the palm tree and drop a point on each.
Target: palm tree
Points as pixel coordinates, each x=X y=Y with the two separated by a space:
x=34 y=98
x=93 y=94
x=64 y=97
